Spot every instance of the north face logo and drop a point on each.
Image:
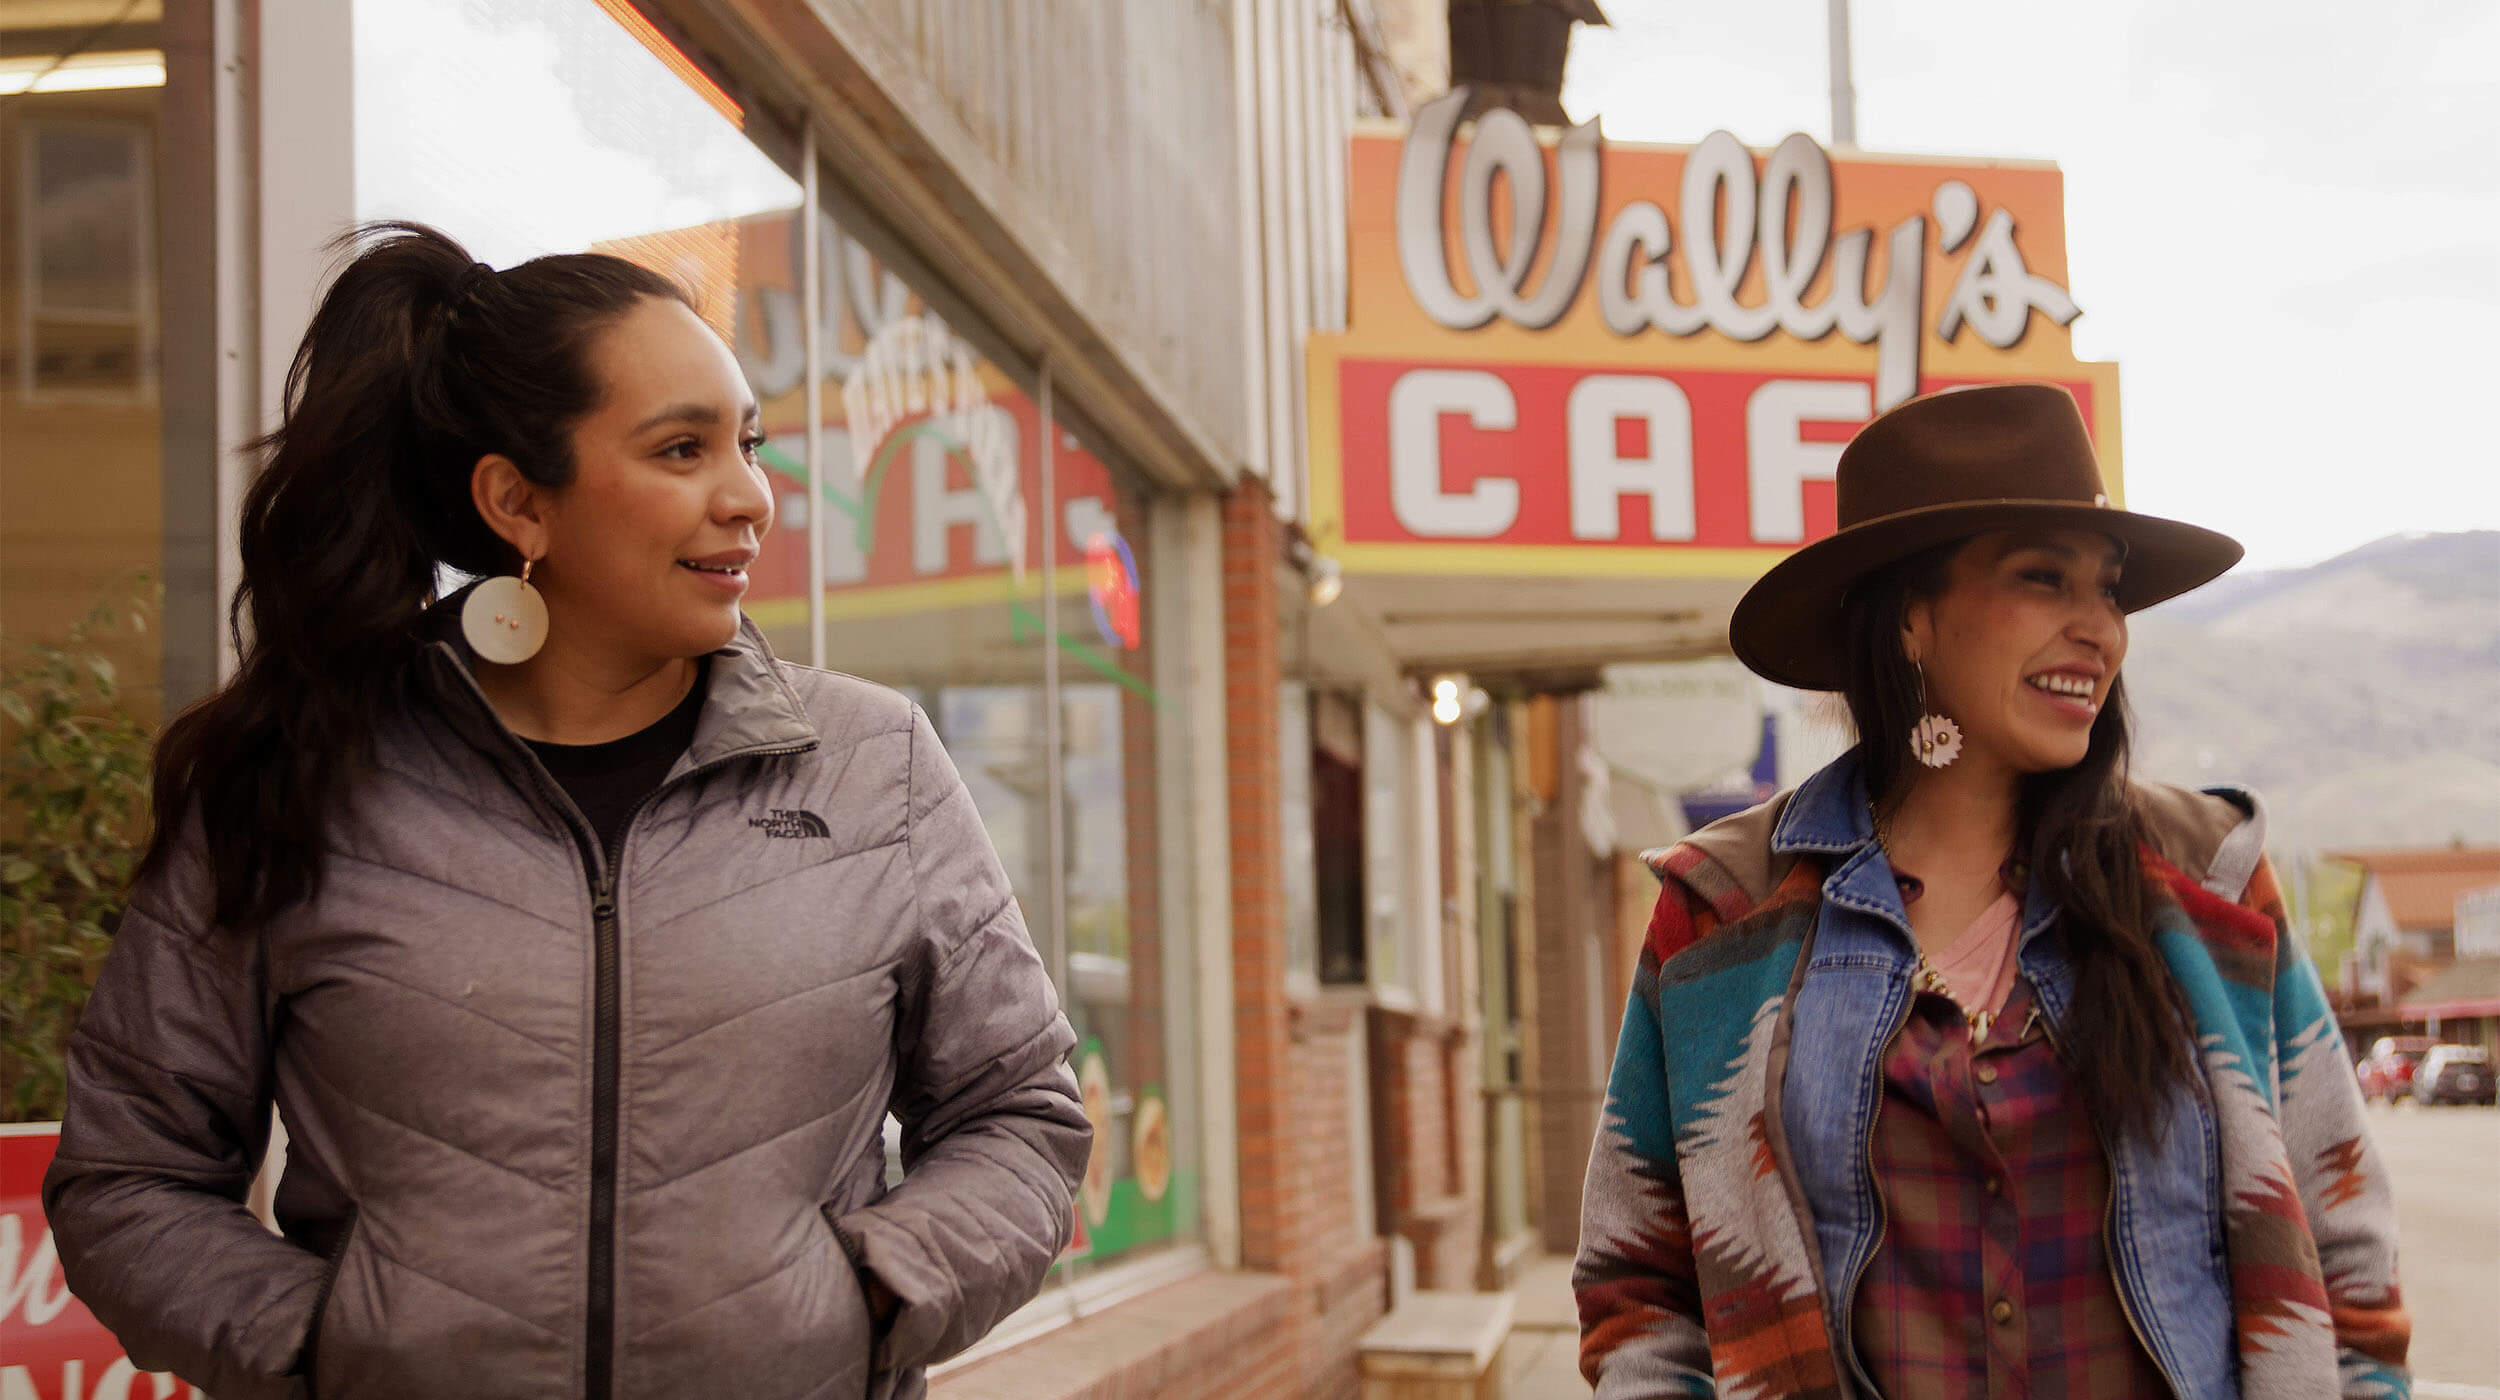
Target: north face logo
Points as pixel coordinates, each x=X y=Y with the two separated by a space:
x=791 y=823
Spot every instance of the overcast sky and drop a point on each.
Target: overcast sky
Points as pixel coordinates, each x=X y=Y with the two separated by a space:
x=2284 y=218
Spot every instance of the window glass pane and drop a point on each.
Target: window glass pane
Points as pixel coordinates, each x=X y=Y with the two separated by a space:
x=940 y=549
x=1128 y=951
x=82 y=514
x=523 y=127
x=1337 y=830
x=1293 y=764
x=926 y=516
x=1386 y=751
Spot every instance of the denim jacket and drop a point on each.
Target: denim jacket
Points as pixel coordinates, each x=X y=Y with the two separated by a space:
x=2165 y=1207
x=1730 y=1206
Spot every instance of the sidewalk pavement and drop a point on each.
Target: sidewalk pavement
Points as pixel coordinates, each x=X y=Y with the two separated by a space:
x=1542 y=1359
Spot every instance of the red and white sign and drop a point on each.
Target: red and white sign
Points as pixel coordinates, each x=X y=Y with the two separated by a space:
x=1603 y=457
x=1565 y=357
x=51 y=1347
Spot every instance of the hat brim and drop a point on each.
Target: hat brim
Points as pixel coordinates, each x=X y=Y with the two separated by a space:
x=1787 y=627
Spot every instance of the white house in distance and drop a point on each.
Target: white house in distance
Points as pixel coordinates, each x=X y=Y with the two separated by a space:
x=2426 y=944
x=2478 y=924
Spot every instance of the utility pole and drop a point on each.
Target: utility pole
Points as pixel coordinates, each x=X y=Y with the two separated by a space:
x=1844 y=91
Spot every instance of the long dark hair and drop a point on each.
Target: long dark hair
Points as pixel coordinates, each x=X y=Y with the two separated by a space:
x=2081 y=833
x=419 y=362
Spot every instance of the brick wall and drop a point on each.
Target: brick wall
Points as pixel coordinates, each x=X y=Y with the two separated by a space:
x=1291 y=1072
x=1345 y=1282
x=1342 y=1300
x=1271 y=1206
x=1574 y=917
x=1423 y=1088
x=1323 y=1110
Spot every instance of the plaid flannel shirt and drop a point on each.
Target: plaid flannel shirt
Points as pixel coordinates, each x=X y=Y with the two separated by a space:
x=1993 y=1278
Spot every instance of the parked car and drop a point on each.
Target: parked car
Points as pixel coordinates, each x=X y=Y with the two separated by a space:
x=2388 y=1072
x=2455 y=1074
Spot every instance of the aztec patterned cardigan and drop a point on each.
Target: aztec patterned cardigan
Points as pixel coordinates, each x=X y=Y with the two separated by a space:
x=1696 y=1272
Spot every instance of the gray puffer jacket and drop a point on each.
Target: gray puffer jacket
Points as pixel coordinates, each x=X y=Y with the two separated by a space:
x=557 y=1129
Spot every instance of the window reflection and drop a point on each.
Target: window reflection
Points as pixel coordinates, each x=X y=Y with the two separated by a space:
x=82 y=506
x=523 y=127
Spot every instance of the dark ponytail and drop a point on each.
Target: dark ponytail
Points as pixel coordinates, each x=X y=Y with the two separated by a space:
x=2128 y=1033
x=419 y=362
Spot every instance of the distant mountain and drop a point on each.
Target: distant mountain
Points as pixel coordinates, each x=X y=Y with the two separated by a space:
x=2360 y=696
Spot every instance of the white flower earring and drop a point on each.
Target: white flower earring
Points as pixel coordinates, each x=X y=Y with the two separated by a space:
x=505 y=619
x=1936 y=740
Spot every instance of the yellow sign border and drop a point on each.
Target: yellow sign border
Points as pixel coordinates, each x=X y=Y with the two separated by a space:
x=901 y=599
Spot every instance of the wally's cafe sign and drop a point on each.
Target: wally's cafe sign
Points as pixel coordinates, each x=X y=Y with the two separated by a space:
x=1566 y=357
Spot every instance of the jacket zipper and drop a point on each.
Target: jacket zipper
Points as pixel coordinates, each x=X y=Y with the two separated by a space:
x=600 y=1343
x=1883 y=1214
x=599 y=1328
x=598 y=1373
x=2109 y=1233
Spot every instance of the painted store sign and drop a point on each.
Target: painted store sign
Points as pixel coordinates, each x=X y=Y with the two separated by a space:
x=1565 y=357
x=51 y=1347
x=932 y=457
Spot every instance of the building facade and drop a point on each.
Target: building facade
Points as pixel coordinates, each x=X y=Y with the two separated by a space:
x=2425 y=958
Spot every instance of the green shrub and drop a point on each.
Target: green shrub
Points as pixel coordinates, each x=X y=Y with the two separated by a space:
x=73 y=823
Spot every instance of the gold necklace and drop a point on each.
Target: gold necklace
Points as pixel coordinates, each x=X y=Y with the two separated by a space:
x=1929 y=979
x=1926 y=977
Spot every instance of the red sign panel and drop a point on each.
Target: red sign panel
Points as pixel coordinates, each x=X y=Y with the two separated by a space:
x=1599 y=457
x=51 y=1347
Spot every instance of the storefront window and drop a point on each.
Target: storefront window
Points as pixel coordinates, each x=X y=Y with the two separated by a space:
x=82 y=503
x=1293 y=764
x=523 y=127
x=1128 y=957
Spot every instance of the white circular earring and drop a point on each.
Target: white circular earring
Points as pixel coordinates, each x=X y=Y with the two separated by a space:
x=505 y=619
x=1935 y=740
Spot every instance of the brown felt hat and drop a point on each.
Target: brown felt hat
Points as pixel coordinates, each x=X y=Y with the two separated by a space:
x=1946 y=467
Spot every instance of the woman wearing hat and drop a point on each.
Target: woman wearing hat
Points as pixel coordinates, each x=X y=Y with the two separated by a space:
x=1971 y=1067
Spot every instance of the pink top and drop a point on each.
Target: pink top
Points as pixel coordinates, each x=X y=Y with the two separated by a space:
x=1980 y=964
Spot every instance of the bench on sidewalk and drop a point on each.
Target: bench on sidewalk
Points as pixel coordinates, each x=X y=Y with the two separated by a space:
x=1438 y=1346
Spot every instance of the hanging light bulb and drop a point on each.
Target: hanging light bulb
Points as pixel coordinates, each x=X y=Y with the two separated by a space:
x=1327 y=580
x=1446 y=703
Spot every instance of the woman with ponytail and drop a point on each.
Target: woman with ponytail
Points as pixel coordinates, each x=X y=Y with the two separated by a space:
x=1972 y=1067
x=583 y=945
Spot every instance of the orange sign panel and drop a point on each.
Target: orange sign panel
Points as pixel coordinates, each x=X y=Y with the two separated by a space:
x=1565 y=357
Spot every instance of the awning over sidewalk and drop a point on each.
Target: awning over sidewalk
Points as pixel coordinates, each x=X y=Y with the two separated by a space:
x=2465 y=990
x=1491 y=626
